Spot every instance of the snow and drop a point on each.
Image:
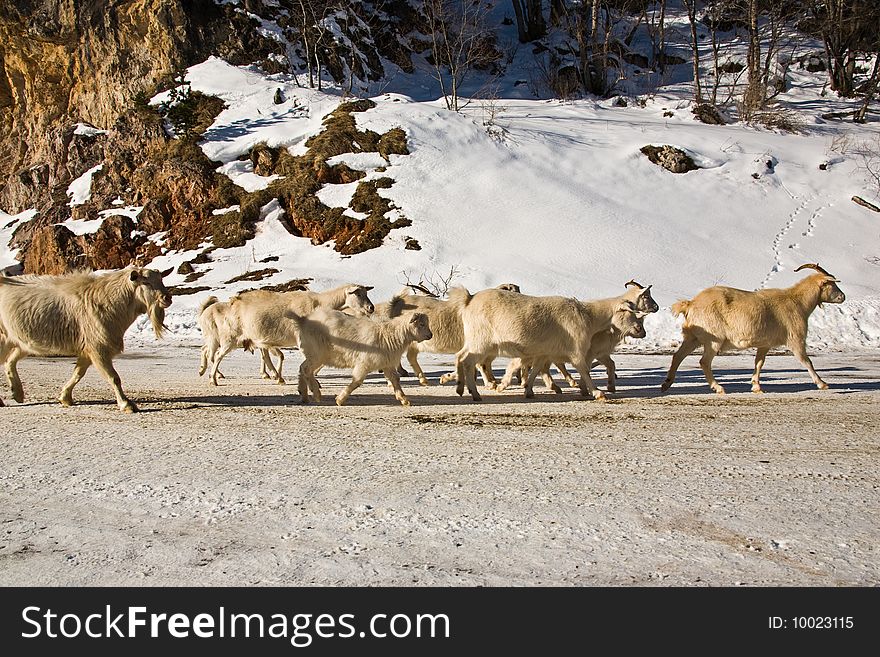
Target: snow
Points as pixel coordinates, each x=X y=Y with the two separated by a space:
x=82 y=226
x=556 y=196
x=563 y=202
x=130 y=211
x=86 y=130
x=8 y=225
x=90 y=226
x=80 y=190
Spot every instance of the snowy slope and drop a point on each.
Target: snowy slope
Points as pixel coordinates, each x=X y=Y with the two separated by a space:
x=556 y=197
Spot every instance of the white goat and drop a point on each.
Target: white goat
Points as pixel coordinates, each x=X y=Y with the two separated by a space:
x=81 y=314
x=212 y=313
x=445 y=319
x=329 y=337
x=257 y=320
x=603 y=344
x=722 y=318
x=538 y=330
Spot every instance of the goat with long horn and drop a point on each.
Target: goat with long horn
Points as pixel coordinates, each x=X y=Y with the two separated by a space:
x=723 y=318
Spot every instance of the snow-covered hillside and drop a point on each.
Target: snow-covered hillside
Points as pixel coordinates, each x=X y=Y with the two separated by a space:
x=556 y=196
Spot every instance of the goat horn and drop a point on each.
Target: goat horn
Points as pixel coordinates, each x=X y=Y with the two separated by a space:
x=422 y=289
x=815 y=266
x=633 y=282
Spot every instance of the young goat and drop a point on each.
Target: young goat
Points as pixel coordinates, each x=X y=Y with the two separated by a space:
x=329 y=337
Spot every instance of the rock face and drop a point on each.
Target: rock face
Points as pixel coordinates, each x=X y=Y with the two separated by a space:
x=69 y=61
x=74 y=77
x=670 y=158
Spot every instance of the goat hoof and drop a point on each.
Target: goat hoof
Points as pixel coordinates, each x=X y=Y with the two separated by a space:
x=130 y=408
x=600 y=396
x=265 y=376
x=66 y=402
x=720 y=391
x=822 y=386
x=405 y=402
x=304 y=401
x=281 y=382
x=612 y=388
x=757 y=390
x=423 y=381
x=340 y=401
x=530 y=394
x=666 y=386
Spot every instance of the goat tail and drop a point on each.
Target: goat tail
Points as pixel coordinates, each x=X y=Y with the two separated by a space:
x=681 y=307
x=210 y=301
x=459 y=297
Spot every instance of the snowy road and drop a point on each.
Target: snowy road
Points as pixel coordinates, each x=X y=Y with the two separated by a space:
x=238 y=485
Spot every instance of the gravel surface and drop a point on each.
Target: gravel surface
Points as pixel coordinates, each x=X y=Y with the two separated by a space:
x=240 y=485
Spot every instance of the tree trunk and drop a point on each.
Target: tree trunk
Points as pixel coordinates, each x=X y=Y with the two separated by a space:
x=695 y=46
x=530 y=23
x=661 y=46
x=870 y=91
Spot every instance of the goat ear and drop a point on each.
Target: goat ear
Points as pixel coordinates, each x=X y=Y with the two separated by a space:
x=368 y=287
x=646 y=290
x=134 y=275
x=165 y=273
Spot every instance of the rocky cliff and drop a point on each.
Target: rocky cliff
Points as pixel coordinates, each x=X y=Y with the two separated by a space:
x=74 y=77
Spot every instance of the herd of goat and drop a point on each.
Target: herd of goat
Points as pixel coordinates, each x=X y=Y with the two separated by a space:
x=86 y=315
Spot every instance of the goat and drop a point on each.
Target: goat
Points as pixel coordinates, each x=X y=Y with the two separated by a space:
x=255 y=320
x=212 y=312
x=603 y=344
x=329 y=337
x=536 y=329
x=445 y=325
x=80 y=314
x=722 y=318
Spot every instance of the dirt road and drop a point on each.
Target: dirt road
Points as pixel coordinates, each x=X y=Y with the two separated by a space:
x=239 y=485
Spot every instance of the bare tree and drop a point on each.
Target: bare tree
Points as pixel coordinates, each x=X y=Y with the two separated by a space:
x=460 y=42
x=691 y=6
x=870 y=91
x=848 y=29
x=530 y=23
x=309 y=20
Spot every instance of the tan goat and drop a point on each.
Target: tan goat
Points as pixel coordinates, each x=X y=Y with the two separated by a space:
x=721 y=318
x=538 y=330
x=603 y=344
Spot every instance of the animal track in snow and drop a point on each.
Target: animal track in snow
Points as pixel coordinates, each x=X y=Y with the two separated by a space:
x=780 y=236
x=811 y=224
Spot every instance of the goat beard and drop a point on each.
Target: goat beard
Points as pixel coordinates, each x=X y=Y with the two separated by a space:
x=156 y=313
